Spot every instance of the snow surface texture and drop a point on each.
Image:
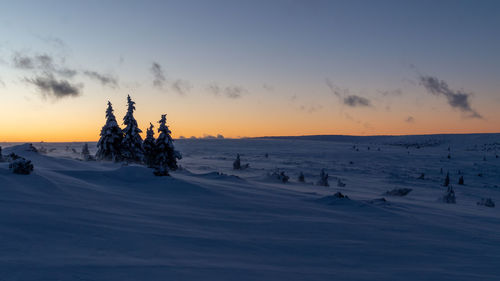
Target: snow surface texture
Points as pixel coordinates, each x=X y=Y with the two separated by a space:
x=79 y=220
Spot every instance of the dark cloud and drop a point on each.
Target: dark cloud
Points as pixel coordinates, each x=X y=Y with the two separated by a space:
x=232 y=92
x=41 y=62
x=355 y=101
x=104 y=79
x=158 y=75
x=49 y=86
x=457 y=99
x=181 y=86
x=410 y=119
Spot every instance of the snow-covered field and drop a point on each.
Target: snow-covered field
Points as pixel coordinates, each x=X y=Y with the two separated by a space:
x=76 y=220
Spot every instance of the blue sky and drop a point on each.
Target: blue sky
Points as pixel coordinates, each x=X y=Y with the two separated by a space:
x=276 y=53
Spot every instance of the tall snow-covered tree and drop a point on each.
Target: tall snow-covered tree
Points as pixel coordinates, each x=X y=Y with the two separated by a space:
x=149 y=147
x=166 y=155
x=132 y=142
x=110 y=144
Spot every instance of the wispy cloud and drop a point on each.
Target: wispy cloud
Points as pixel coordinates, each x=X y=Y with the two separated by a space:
x=42 y=62
x=181 y=86
x=457 y=99
x=51 y=87
x=232 y=92
x=104 y=79
x=410 y=119
x=159 y=78
x=357 y=101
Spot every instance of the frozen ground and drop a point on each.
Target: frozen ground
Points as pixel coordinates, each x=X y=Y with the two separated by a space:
x=75 y=220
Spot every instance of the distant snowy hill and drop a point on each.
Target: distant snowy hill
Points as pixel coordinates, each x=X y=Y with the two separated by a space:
x=77 y=220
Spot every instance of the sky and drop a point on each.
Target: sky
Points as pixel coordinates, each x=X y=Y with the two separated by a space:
x=250 y=68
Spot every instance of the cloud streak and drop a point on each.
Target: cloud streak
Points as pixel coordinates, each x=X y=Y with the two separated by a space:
x=357 y=101
x=457 y=99
x=51 y=87
x=182 y=87
x=159 y=78
x=41 y=62
x=104 y=79
x=232 y=92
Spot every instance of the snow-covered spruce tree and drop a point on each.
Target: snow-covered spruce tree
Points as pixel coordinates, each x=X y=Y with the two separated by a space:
x=149 y=147
x=132 y=142
x=166 y=155
x=110 y=144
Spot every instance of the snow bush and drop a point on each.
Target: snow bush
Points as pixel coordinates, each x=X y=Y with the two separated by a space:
x=109 y=145
x=449 y=196
x=1 y=156
x=399 y=192
x=461 y=180
x=447 y=180
x=323 y=178
x=301 y=177
x=280 y=175
x=237 y=163
x=488 y=202
x=86 y=153
x=20 y=165
x=340 y=183
x=340 y=196
x=132 y=149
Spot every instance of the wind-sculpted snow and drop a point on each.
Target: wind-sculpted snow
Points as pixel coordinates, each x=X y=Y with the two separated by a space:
x=88 y=220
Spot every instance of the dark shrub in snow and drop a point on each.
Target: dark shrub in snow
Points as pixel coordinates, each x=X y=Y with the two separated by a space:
x=86 y=153
x=1 y=156
x=447 y=180
x=19 y=165
x=422 y=176
x=237 y=163
x=302 y=178
x=280 y=175
x=340 y=183
x=449 y=196
x=488 y=202
x=399 y=192
x=323 y=178
x=340 y=196
x=461 y=180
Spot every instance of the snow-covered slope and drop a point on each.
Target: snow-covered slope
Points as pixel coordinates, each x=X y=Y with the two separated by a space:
x=75 y=220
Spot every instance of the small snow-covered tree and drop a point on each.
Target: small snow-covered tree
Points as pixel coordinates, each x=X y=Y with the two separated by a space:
x=85 y=152
x=237 y=162
x=166 y=155
x=447 y=180
x=110 y=144
x=1 y=157
x=323 y=178
x=149 y=146
x=132 y=142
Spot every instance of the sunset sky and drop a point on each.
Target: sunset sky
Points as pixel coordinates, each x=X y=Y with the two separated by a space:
x=250 y=68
